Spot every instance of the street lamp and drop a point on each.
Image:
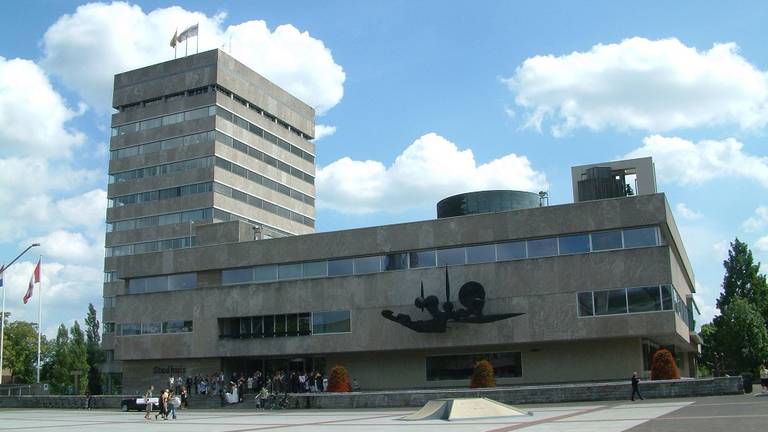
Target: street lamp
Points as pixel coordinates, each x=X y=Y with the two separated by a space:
x=2 y=315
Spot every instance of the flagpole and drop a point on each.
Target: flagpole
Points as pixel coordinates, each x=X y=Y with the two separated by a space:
x=2 y=327
x=39 y=317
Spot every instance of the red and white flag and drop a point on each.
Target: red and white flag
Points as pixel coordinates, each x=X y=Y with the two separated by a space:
x=32 y=281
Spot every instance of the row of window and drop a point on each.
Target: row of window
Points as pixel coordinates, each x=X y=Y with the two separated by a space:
x=148 y=328
x=159 y=170
x=260 y=155
x=250 y=105
x=165 y=120
x=533 y=248
x=109 y=302
x=175 y=282
x=654 y=298
x=460 y=367
x=160 y=194
x=261 y=133
x=296 y=324
x=203 y=90
x=267 y=231
x=156 y=146
x=152 y=246
x=264 y=181
x=262 y=204
x=162 y=219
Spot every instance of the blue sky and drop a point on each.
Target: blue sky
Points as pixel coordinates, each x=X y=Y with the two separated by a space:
x=410 y=88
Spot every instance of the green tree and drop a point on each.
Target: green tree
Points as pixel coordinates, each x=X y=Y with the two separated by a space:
x=61 y=362
x=20 y=350
x=95 y=355
x=79 y=356
x=743 y=279
x=743 y=338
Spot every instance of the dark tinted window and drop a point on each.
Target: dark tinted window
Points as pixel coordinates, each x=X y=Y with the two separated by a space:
x=480 y=254
x=638 y=237
x=542 y=247
x=459 y=367
x=367 y=265
x=572 y=244
x=606 y=240
x=315 y=269
x=395 y=261
x=454 y=256
x=331 y=322
x=610 y=302
x=585 y=304
x=644 y=299
x=340 y=267
x=510 y=251
x=422 y=259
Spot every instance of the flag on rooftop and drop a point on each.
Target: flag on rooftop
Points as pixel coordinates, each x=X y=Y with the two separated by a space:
x=189 y=32
x=173 y=39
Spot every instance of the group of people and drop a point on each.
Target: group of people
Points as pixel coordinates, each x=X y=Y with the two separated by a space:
x=168 y=402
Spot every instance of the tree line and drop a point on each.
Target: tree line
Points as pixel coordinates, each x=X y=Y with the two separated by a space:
x=736 y=341
x=73 y=350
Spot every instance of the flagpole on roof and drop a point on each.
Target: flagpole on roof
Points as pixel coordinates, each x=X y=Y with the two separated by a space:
x=39 y=317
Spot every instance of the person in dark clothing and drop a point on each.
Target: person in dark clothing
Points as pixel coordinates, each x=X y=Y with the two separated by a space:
x=319 y=382
x=635 y=387
x=294 y=382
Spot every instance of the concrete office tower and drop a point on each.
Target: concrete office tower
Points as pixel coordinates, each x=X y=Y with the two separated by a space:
x=203 y=139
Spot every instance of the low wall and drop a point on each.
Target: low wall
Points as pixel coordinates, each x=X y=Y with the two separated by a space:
x=525 y=394
x=417 y=398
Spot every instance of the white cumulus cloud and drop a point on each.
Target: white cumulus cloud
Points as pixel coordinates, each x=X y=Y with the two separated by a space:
x=430 y=169
x=322 y=131
x=86 y=48
x=652 y=85
x=682 y=210
x=686 y=162
x=762 y=244
x=758 y=221
x=70 y=247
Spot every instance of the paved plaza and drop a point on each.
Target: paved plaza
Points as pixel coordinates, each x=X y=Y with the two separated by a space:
x=725 y=413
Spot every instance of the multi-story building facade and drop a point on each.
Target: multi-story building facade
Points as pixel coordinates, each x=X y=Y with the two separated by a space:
x=202 y=139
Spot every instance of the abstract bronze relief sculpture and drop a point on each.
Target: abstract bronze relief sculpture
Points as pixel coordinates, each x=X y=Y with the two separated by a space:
x=471 y=296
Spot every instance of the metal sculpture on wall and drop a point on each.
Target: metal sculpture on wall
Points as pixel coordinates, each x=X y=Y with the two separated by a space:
x=471 y=296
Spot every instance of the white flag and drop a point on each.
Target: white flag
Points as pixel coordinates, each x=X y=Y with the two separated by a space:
x=187 y=33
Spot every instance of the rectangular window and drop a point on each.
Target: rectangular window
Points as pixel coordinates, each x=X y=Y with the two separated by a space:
x=481 y=254
x=130 y=329
x=666 y=297
x=245 y=326
x=365 y=265
x=265 y=273
x=542 y=247
x=341 y=267
x=331 y=322
x=109 y=328
x=177 y=326
x=292 y=324
x=585 y=304
x=610 y=302
x=183 y=281
x=233 y=276
x=394 y=262
x=109 y=302
x=289 y=271
x=573 y=244
x=269 y=326
x=460 y=367
x=453 y=256
x=305 y=324
x=639 y=237
x=644 y=299
x=136 y=286
x=279 y=325
x=151 y=328
x=422 y=259
x=606 y=240
x=510 y=251
x=315 y=269
x=257 y=327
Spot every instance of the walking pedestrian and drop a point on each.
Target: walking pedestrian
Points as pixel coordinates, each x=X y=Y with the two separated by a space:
x=147 y=402
x=635 y=387
x=764 y=378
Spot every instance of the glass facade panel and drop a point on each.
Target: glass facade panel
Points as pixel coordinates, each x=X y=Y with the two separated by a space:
x=510 y=251
x=292 y=324
x=130 y=329
x=341 y=267
x=453 y=256
x=460 y=367
x=151 y=328
x=331 y=322
x=177 y=326
x=265 y=273
x=233 y=276
x=182 y=281
x=269 y=326
x=397 y=261
x=639 y=237
x=368 y=265
x=606 y=240
x=422 y=259
x=585 y=304
x=305 y=324
x=542 y=247
x=279 y=325
x=610 y=302
x=644 y=299
x=289 y=271
x=666 y=297
x=574 y=244
x=315 y=269
x=481 y=254
x=136 y=286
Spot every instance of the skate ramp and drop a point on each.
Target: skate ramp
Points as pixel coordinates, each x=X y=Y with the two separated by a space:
x=464 y=409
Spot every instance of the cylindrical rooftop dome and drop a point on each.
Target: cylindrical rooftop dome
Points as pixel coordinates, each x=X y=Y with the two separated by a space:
x=491 y=201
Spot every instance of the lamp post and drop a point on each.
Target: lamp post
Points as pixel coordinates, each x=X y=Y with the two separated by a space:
x=2 y=315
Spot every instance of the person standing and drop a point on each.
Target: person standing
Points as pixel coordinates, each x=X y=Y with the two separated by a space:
x=184 y=398
x=635 y=387
x=147 y=402
x=764 y=378
x=173 y=403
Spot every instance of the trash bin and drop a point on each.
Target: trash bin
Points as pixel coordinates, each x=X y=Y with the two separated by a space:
x=746 y=377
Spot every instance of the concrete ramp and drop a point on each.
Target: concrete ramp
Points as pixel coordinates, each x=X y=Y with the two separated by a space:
x=463 y=409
